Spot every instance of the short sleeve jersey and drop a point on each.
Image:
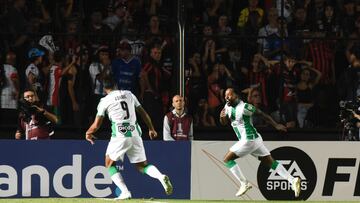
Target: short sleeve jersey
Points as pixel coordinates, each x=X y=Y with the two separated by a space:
x=120 y=106
x=241 y=120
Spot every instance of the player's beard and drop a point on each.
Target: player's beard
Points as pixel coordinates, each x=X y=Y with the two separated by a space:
x=232 y=102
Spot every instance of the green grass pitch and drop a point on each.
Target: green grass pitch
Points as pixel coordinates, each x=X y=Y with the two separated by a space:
x=99 y=200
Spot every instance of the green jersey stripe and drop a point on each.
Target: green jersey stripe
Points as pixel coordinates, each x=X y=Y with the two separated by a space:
x=237 y=132
x=113 y=129
x=251 y=132
x=233 y=114
x=138 y=129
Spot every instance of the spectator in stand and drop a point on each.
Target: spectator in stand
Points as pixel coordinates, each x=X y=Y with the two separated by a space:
x=163 y=9
x=169 y=80
x=71 y=40
x=69 y=105
x=212 y=11
x=151 y=86
x=251 y=28
x=285 y=8
x=155 y=37
x=9 y=89
x=223 y=30
x=126 y=69
x=137 y=45
x=257 y=76
x=348 y=86
x=208 y=48
x=154 y=30
x=305 y=91
x=60 y=11
x=348 y=18
x=17 y=22
x=316 y=11
x=126 y=22
x=354 y=39
x=268 y=30
x=203 y=117
x=244 y=14
x=287 y=75
x=331 y=22
x=212 y=50
x=34 y=74
x=254 y=98
x=321 y=53
x=252 y=25
x=197 y=82
x=117 y=15
x=98 y=70
x=55 y=75
x=83 y=88
x=34 y=121
x=99 y=32
x=218 y=81
x=178 y=125
x=299 y=29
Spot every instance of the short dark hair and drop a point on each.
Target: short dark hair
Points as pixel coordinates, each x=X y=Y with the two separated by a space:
x=28 y=89
x=108 y=83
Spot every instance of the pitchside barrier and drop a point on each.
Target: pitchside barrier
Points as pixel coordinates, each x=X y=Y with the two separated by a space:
x=75 y=169
x=329 y=170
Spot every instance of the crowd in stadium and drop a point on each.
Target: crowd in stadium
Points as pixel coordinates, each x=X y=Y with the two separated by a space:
x=286 y=57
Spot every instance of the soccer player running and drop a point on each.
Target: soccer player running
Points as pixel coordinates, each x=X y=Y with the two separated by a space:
x=250 y=141
x=120 y=105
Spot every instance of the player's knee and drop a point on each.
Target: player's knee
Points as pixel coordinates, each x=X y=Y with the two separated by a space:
x=141 y=166
x=108 y=162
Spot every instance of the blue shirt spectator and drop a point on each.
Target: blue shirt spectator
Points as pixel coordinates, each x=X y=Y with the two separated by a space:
x=126 y=69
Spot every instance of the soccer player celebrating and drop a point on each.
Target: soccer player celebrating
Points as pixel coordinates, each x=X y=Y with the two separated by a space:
x=120 y=105
x=250 y=141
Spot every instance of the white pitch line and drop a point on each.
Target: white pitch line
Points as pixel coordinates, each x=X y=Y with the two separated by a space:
x=106 y=199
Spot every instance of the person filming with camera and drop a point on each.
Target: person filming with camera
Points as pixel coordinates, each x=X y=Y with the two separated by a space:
x=349 y=93
x=35 y=123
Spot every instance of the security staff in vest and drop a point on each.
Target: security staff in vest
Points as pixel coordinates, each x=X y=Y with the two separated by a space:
x=177 y=124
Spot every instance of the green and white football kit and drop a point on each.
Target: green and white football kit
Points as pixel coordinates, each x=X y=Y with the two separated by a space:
x=126 y=133
x=250 y=141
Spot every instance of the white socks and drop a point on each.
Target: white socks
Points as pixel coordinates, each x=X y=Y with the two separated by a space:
x=279 y=168
x=236 y=171
x=117 y=178
x=153 y=172
x=119 y=181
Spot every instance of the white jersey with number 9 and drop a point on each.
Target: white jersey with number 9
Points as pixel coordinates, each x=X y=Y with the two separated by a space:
x=120 y=106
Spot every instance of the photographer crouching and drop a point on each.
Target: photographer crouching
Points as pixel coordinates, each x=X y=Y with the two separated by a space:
x=350 y=118
x=349 y=92
x=35 y=123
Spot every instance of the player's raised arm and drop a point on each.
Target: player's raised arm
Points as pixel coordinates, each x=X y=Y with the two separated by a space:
x=223 y=119
x=270 y=120
x=145 y=116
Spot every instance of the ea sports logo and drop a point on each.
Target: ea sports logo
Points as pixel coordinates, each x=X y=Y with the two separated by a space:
x=298 y=164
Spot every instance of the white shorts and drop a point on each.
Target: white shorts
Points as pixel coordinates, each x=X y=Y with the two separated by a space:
x=133 y=147
x=254 y=147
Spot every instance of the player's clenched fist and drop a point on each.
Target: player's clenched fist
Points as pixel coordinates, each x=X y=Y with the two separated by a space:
x=152 y=134
x=222 y=113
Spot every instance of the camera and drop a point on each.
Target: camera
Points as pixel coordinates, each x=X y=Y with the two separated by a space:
x=347 y=118
x=27 y=108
